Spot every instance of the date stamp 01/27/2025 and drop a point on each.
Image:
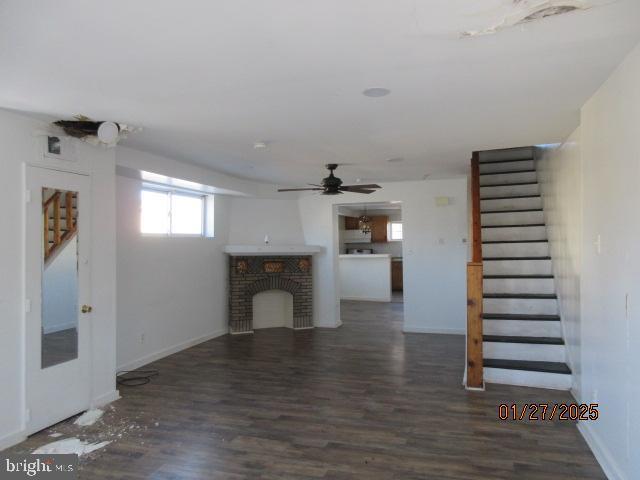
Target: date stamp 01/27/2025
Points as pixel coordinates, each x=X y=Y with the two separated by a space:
x=548 y=411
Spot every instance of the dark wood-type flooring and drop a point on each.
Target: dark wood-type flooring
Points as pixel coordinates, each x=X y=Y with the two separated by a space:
x=364 y=401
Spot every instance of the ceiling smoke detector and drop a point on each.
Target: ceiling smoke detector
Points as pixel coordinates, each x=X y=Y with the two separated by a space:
x=376 y=92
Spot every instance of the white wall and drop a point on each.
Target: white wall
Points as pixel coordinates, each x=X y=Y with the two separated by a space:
x=560 y=178
x=610 y=124
x=594 y=176
x=253 y=218
x=434 y=255
x=171 y=290
x=19 y=146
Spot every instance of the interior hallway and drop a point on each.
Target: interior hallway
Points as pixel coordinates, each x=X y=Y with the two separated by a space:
x=361 y=401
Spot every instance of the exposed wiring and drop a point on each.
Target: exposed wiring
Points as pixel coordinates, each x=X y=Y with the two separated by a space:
x=135 y=378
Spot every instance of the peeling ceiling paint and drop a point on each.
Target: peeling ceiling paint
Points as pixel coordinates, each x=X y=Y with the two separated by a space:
x=525 y=11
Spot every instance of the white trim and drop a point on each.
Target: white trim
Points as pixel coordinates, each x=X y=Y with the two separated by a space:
x=443 y=331
x=304 y=328
x=611 y=469
x=165 y=352
x=248 y=332
x=12 y=439
x=105 y=398
x=367 y=299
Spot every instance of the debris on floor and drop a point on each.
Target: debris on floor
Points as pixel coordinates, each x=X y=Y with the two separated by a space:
x=70 y=445
x=55 y=435
x=89 y=417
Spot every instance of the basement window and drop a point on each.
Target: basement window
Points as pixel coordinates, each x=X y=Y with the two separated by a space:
x=395 y=231
x=175 y=213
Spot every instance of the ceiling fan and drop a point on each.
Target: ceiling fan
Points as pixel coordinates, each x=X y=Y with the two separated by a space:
x=332 y=185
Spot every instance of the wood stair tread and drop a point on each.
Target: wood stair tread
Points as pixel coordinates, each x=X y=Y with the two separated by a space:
x=528 y=365
x=508 y=184
x=524 y=225
x=509 y=197
x=508 y=172
x=513 y=211
x=489 y=162
x=530 y=296
x=493 y=259
x=519 y=339
x=520 y=316
x=515 y=241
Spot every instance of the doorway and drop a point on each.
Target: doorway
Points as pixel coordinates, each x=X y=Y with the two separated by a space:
x=57 y=290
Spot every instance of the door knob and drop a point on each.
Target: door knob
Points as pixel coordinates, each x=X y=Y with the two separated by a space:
x=86 y=309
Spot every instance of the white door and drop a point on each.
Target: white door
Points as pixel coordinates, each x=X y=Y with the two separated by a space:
x=58 y=303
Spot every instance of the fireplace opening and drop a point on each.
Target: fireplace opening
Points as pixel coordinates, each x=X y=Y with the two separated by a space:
x=272 y=309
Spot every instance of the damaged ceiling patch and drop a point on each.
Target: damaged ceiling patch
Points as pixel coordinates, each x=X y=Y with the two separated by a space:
x=525 y=11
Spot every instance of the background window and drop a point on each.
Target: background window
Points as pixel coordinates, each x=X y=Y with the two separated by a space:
x=396 y=230
x=172 y=213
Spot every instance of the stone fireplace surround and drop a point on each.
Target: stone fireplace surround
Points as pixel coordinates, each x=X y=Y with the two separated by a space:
x=253 y=273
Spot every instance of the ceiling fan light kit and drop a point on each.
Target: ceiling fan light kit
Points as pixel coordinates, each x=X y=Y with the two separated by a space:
x=332 y=185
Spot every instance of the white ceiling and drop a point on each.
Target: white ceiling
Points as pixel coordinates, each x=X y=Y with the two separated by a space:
x=206 y=79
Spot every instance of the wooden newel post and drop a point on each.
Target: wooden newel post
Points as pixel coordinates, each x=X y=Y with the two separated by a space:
x=474 y=325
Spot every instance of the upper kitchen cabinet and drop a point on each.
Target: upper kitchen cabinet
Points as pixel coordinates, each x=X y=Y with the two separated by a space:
x=379 y=228
x=351 y=223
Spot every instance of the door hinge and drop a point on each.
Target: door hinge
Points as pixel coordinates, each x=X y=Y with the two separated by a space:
x=27 y=196
x=27 y=305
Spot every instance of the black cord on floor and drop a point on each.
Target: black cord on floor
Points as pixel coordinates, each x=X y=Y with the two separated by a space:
x=135 y=378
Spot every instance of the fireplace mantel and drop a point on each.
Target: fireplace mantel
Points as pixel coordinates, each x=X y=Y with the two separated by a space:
x=271 y=250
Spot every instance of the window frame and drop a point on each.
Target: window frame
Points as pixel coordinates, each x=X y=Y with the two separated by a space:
x=185 y=193
x=390 y=231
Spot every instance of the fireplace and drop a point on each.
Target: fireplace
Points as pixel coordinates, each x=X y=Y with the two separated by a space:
x=253 y=274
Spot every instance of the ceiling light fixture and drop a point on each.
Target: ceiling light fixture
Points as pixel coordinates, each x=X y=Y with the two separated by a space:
x=365 y=224
x=376 y=92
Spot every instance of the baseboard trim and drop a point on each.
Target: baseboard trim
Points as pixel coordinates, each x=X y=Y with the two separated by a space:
x=367 y=299
x=152 y=357
x=12 y=439
x=105 y=398
x=600 y=451
x=439 y=331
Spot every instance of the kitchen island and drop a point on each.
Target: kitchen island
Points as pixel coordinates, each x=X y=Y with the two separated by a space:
x=365 y=277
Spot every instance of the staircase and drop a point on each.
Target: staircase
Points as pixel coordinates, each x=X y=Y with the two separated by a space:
x=522 y=335
x=60 y=220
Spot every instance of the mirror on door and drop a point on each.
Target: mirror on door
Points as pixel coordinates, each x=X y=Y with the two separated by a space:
x=59 y=277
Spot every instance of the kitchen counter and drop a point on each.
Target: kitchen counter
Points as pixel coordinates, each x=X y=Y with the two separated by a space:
x=365 y=277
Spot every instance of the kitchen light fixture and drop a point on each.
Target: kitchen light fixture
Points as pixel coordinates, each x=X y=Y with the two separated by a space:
x=365 y=223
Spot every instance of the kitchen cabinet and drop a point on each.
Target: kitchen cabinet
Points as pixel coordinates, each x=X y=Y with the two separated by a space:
x=351 y=223
x=396 y=275
x=379 y=228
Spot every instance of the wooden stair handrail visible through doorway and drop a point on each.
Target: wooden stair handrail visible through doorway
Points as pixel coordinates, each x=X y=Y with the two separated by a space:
x=59 y=238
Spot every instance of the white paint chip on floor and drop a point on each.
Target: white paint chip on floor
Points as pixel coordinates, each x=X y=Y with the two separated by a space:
x=55 y=435
x=70 y=445
x=89 y=417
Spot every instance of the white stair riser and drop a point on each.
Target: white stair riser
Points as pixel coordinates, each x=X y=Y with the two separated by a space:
x=517 y=267
x=556 y=381
x=525 y=306
x=510 y=203
x=522 y=328
x=508 y=178
x=518 y=285
x=515 y=233
x=508 y=191
x=511 y=218
x=523 y=351
x=536 y=249
x=507 y=166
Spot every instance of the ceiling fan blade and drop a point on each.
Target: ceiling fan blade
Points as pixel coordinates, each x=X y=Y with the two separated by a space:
x=297 y=189
x=369 y=185
x=357 y=190
x=315 y=185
